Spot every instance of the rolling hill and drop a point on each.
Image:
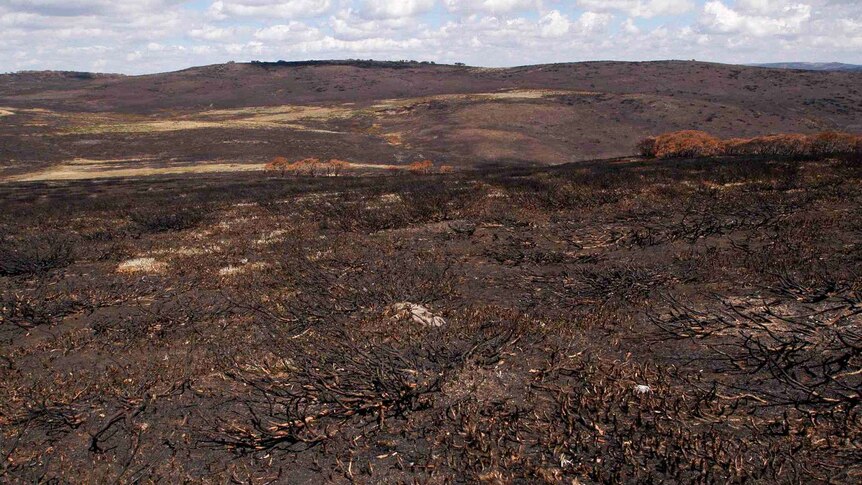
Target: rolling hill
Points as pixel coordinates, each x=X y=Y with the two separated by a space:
x=394 y=113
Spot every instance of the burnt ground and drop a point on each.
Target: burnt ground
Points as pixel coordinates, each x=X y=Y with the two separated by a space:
x=618 y=321
x=397 y=113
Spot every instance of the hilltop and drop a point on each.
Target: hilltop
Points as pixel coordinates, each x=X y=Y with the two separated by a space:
x=814 y=66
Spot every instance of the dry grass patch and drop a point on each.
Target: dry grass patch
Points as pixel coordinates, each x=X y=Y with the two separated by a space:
x=182 y=125
x=188 y=251
x=252 y=118
x=90 y=161
x=82 y=169
x=394 y=139
x=388 y=104
x=142 y=265
x=278 y=113
x=242 y=268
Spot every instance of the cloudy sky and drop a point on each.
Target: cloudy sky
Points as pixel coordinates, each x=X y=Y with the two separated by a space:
x=143 y=36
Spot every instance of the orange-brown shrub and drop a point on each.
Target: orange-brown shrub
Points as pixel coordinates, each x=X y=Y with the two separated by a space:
x=696 y=144
x=792 y=145
x=833 y=143
x=307 y=166
x=447 y=169
x=736 y=146
x=687 y=144
x=770 y=145
x=277 y=163
x=423 y=167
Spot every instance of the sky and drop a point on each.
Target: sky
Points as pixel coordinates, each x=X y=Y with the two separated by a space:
x=147 y=36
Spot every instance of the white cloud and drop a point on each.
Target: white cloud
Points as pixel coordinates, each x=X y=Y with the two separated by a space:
x=212 y=33
x=390 y=9
x=755 y=20
x=293 y=32
x=347 y=24
x=225 y=9
x=65 y=8
x=490 y=6
x=639 y=8
x=763 y=7
x=157 y=35
x=554 y=24
x=592 y=22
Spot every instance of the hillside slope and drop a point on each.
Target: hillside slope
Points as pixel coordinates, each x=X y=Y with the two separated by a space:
x=399 y=112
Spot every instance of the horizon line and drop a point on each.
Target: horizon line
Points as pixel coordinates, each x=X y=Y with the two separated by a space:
x=300 y=62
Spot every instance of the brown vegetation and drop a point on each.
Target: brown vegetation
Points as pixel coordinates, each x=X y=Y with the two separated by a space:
x=421 y=167
x=277 y=164
x=312 y=167
x=681 y=144
x=696 y=144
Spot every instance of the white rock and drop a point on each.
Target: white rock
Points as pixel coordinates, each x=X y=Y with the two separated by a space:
x=418 y=314
x=243 y=267
x=642 y=389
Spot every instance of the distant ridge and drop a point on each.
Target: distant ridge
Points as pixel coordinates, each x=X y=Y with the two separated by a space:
x=813 y=66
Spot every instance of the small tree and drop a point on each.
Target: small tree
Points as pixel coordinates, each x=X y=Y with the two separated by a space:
x=646 y=147
x=277 y=164
x=337 y=167
x=306 y=166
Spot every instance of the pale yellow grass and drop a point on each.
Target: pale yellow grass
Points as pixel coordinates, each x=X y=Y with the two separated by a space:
x=183 y=125
x=253 y=118
x=142 y=265
x=84 y=169
x=187 y=251
x=90 y=161
x=6 y=112
x=78 y=170
x=499 y=95
x=278 y=114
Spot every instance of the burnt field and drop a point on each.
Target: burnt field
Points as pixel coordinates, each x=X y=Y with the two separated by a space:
x=617 y=321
